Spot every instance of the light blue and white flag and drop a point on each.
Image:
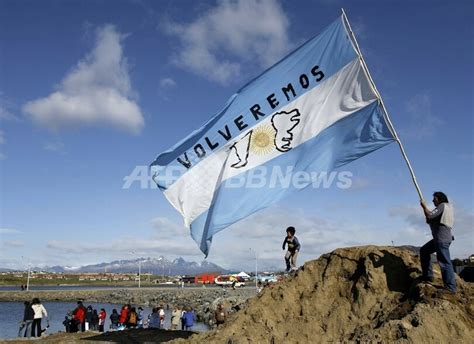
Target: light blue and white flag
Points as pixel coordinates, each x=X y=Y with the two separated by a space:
x=313 y=111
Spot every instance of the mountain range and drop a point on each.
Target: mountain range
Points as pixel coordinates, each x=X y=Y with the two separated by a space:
x=156 y=266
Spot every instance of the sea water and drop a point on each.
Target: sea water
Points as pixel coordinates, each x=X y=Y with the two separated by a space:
x=11 y=313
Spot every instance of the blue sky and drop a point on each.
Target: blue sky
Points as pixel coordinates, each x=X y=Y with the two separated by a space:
x=90 y=90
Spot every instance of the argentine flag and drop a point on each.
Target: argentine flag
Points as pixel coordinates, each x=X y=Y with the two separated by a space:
x=312 y=112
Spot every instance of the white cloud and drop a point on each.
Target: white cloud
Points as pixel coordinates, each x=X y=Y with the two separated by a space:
x=96 y=91
x=12 y=263
x=359 y=28
x=13 y=243
x=359 y=183
x=462 y=246
x=167 y=83
x=9 y=231
x=55 y=147
x=233 y=32
x=413 y=215
x=165 y=228
x=3 y=156
x=233 y=247
x=167 y=238
x=6 y=113
x=421 y=122
x=123 y=246
x=264 y=232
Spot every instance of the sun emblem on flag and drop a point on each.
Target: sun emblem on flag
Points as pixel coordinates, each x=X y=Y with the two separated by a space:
x=262 y=140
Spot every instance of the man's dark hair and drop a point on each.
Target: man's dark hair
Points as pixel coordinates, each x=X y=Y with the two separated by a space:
x=291 y=230
x=441 y=196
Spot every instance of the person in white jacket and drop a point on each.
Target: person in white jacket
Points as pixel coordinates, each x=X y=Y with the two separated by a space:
x=175 y=317
x=40 y=312
x=441 y=221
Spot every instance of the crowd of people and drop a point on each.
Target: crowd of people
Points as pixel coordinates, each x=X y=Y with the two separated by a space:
x=84 y=319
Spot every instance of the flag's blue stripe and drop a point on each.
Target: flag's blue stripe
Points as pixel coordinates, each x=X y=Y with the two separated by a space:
x=331 y=50
x=346 y=140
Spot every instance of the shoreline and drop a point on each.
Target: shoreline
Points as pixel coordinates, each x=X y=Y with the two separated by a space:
x=92 y=285
x=204 y=301
x=143 y=296
x=125 y=336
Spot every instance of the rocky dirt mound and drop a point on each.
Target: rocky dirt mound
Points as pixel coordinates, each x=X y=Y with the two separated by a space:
x=360 y=294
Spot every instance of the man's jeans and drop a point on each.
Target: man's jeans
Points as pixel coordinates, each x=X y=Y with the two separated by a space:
x=444 y=261
x=25 y=329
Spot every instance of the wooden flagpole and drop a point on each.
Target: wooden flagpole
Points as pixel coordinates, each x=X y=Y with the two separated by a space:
x=387 y=117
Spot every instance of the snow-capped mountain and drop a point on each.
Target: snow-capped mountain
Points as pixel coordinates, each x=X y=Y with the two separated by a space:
x=157 y=266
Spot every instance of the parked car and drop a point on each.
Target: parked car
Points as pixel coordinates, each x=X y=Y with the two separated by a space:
x=268 y=278
x=228 y=281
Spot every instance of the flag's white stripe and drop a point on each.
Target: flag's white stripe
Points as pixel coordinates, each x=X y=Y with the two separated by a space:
x=339 y=96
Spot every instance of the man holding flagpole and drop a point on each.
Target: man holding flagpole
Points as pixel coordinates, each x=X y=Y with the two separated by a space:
x=441 y=222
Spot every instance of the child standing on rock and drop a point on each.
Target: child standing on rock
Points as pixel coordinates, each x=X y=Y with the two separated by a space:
x=293 y=248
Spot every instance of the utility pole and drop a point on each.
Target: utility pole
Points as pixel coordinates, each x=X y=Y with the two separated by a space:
x=139 y=272
x=28 y=279
x=256 y=269
x=29 y=272
x=139 y=268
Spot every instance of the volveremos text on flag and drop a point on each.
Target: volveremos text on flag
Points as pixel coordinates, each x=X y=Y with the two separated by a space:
x=313 y=111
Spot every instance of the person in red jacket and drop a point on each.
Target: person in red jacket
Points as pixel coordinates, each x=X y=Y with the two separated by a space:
x=102 y=317
x=79 y=317
x=124 y=315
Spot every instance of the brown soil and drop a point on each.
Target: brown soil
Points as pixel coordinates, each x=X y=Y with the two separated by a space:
x=353 y=295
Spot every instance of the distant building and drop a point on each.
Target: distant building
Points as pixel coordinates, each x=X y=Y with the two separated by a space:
x=188 y=279
x=206 y=278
